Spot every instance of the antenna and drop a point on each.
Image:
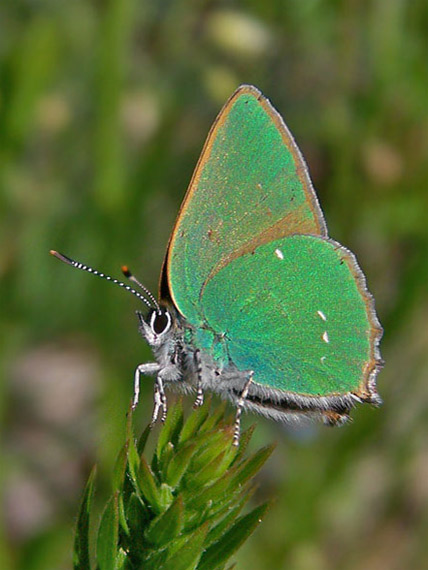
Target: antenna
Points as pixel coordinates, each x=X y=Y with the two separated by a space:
x=131 y=277
x=83 y=267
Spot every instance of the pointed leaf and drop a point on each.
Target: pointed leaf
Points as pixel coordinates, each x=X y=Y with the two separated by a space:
x=231 y=484
x=249 y=467
x=209 y=473
x=129 y=482
x=123 y=523
x=194 y=421
x=133 y=463
x=120 y=468
x=152 y=560
x=188 y=556
x=214 y=418
x=179 y=464
x=166 y=496
x=148 y=487
x=129 y=420
x=138 y=519
x=108 y=535
x=167 y=526
x=216 y=510
x=171 y=427
x=137 y=515
x=229 y=487
x=227 y=521
x=222 y=462
x=133 y=455
x=143 y=440
x=121 y=560
x=160 y=464
x=81 y=555
x=217 y=491
x=244 y=440
x=204 y=441
x=215 y=446
x=225 y=504
x=219 y=552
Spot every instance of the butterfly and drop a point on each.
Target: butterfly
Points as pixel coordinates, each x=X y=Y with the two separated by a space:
x=256 y=303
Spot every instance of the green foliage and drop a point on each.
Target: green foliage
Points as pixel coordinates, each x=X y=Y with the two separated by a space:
x=181 y=511
x=81 y=558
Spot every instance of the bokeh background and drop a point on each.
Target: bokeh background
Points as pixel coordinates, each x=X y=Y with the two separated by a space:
x=104 y=108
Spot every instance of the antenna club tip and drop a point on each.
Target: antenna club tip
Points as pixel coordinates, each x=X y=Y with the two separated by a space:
x=125 y=271
x=61 y=257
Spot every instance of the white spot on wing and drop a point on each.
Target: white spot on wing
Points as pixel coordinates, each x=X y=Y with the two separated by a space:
x=325 y=337
x=322 y=315
x=279 y=254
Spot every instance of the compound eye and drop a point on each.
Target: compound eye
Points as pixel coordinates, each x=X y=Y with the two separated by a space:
x=160 y=321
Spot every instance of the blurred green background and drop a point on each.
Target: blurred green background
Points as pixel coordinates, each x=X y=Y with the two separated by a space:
x=104 y=108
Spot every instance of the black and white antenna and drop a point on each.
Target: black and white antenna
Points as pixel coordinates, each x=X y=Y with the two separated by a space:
x=131 y=277
x=83 y=267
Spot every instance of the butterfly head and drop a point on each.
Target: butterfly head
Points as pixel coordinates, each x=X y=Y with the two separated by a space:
x=156 y=326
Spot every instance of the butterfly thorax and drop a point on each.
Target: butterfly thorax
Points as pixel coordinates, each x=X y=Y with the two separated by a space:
x=204 y=359
x=187 y=356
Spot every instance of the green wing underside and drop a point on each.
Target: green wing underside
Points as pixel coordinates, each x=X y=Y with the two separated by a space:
x=250 y=187
x=296 y=312
x=250 y=262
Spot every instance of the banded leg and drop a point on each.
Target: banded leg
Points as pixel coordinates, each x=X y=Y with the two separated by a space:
x=157 y=404
x=199 y=392
x=239 y=407
x=159 y=399
x=147 y=369
x=162 y=399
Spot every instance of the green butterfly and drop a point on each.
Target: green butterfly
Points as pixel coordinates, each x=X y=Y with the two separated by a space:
x=257 y=303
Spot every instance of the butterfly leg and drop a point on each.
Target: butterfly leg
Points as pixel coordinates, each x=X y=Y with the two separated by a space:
x=147 y=369
x=162 y=399
x=157 y=404
x=159 y=398
x=239 y=406
x=199 y=392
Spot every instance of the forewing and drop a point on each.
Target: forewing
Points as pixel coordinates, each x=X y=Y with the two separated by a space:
x=250 y=186
x=297 y=312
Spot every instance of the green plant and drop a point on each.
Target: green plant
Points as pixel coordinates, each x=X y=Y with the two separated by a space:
x=182 y=510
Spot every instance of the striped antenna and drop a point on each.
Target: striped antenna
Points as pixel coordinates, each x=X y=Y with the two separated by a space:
x=131 y=277
x=83 y=267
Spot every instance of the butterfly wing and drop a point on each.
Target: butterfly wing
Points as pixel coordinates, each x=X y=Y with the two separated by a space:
x=250 y=186
x=249 y=262
x=301 y=318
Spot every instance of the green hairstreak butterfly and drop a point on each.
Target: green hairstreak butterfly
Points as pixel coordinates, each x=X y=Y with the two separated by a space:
x=257 y=303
